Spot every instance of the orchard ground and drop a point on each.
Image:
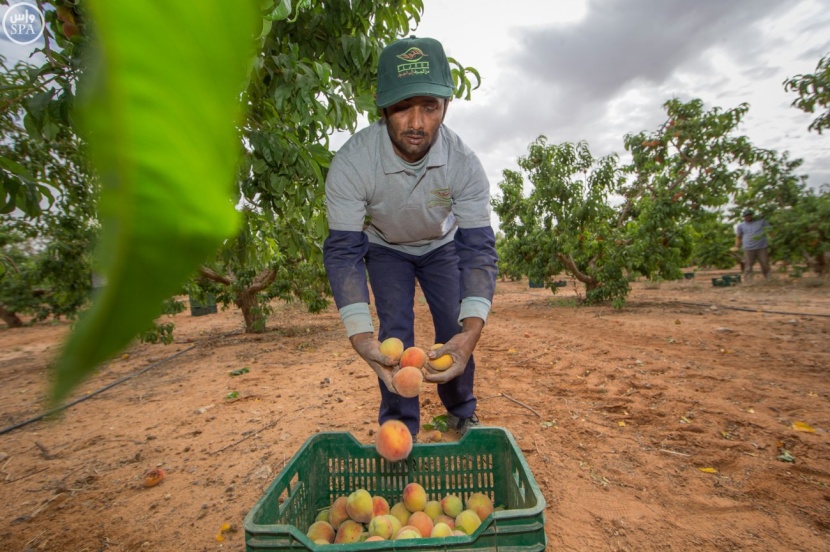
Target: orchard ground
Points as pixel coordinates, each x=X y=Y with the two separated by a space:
x=681 y=422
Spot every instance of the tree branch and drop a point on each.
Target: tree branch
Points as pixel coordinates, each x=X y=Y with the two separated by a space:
x=571 y=265
x=209 y=274
x=263 y=280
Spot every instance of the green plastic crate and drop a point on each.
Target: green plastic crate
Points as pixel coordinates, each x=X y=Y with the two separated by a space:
x=335 y=464
x=199 y=308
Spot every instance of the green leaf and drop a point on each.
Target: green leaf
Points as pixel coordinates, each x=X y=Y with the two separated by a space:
x=15 y=168
x=281 y=11
x=161 y=107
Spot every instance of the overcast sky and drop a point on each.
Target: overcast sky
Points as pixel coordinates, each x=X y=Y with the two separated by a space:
x=596 y=70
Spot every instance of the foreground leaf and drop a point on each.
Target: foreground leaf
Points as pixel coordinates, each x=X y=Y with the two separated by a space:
x=161 y=106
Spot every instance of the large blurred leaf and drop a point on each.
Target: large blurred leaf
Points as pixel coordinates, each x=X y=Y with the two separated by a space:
x=161 y=106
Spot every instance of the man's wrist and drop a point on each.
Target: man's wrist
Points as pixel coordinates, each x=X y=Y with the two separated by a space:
x=472 y=324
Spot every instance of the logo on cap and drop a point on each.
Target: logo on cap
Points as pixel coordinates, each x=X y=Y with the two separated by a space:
x=413 y=65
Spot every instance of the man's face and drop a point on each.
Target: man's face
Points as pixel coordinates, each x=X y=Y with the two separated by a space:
x=413 y=124
x=748 y=218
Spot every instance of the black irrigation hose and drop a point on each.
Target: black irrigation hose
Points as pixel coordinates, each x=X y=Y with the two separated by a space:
x=85 y=397
x=753 y=310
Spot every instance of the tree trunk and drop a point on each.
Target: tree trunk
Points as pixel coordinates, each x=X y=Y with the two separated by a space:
x=248 y=303
x=820 y=263
x=246 y=299
x=590 y=282
x=10 y=318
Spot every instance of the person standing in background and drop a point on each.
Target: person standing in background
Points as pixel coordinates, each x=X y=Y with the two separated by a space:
x=751 y=235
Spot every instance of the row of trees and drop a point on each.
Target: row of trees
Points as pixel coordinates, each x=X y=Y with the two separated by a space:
x=310 y=72
x=605 y=223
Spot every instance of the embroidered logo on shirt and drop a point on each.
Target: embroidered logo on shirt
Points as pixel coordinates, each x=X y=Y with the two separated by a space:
x=440 y=198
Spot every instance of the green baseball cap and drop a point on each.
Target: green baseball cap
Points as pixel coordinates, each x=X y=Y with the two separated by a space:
x=413 y=67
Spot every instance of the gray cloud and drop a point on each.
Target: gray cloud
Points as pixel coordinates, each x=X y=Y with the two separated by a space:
x=622 y=42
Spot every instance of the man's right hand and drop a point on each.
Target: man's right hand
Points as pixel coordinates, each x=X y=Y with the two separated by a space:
x=369 y=349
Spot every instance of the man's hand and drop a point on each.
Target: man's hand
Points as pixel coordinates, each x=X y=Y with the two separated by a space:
x=369 y=349
x=460 y=348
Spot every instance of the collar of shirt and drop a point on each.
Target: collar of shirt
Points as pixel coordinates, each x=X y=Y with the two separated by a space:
x=436 y=156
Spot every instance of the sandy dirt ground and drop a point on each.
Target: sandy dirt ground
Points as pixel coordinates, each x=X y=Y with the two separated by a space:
x=696 y=418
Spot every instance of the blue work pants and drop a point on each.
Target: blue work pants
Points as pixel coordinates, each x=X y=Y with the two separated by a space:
x=392 y=276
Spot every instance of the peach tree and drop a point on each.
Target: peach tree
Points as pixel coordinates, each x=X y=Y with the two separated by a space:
x=606 y=224
x=813 y=91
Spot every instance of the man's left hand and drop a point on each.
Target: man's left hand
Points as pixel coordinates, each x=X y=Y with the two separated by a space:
x=460 y=348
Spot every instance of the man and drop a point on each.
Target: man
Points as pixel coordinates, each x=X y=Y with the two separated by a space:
x=751 y=234
x=407 y=201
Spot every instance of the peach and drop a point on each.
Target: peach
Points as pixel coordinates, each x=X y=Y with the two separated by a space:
x=422 y=522
x=374 y=538
x=408 y=532
x=392 y=347
x=393 y=440
x=445 y=519
x=407 y=381
x=379 y=506
x=467 y=521
x=400 y=512
x=321 y=530
x=381 y=526
x=434 y=436
x=452 y=505
x=414 y=356
x=359 y=506
x=337 y=512
x=481 y=504
x=414 y=497
x=433 y=509
x=441 y=530
x=396 y=523
x=349 y=531
x=322 y=515
x=442 y=362
x=458 y=533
